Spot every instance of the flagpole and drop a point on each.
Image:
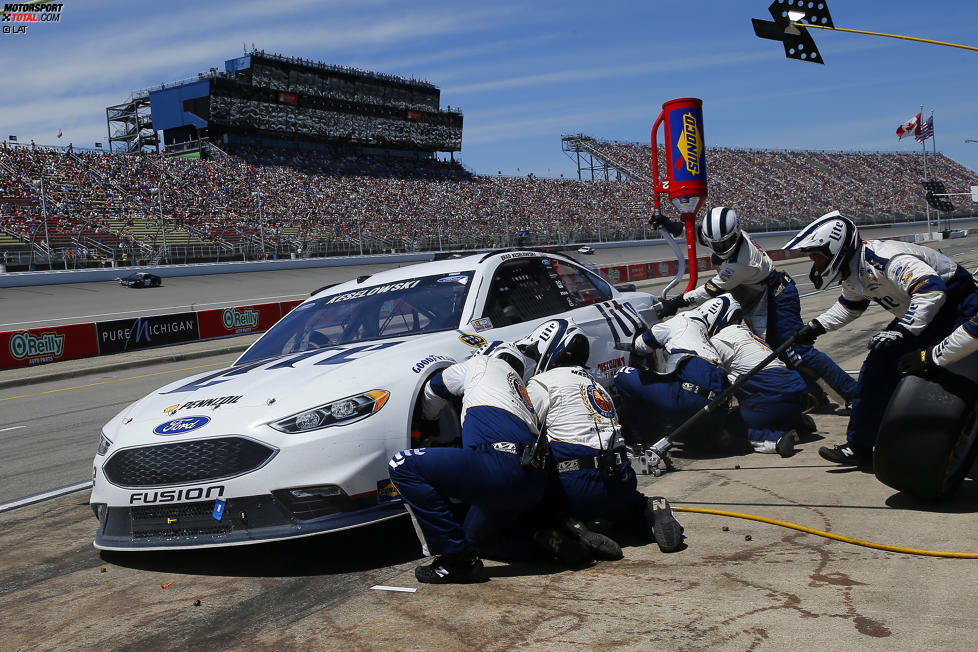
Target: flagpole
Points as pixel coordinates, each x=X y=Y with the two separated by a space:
x=934 y=147
x=923 y=144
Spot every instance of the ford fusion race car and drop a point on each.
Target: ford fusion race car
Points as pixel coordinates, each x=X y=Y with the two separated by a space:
x=293 y=438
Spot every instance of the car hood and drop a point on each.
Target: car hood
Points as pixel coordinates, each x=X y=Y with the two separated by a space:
x=244 y=397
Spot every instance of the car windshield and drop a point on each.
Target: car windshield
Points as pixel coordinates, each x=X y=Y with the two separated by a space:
x=408 y=307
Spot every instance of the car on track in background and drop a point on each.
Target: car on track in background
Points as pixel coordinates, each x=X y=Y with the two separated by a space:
x=141 y=280
x=294 y=437
x=585 y=249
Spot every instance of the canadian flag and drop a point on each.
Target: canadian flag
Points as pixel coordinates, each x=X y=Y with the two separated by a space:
x=909 y=128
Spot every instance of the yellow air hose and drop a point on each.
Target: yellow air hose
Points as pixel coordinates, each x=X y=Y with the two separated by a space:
x=829 y=535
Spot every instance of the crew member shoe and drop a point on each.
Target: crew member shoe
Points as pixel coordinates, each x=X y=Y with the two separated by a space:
x=849 y=454
x=845 y=411
x=563 y=547
x=666 y=529
x=786 y=444
x=603 y=547
x=459 y=568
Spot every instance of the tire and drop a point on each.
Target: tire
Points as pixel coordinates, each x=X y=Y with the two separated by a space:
x=926 y=442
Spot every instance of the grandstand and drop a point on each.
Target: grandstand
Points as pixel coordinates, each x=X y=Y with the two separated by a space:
x=104 y=207
x=270 y=100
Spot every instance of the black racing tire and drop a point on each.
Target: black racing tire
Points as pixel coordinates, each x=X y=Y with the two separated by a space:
x=926 y=442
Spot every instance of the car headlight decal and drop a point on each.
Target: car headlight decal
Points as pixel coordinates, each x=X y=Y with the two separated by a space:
x=103 y=444
x=336 y=413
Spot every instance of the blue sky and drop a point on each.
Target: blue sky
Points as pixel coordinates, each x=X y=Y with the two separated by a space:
x=526 y=72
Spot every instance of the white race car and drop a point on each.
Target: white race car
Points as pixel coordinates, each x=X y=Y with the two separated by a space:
x=293 y=439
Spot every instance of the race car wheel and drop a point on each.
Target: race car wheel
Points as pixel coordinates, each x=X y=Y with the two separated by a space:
x=926 y=442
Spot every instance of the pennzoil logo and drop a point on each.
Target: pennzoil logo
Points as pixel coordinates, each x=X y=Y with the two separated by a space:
x=26 y=345
x=233 y=318
x=690 y=144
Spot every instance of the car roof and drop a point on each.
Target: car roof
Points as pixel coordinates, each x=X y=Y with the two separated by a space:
x=464 y=263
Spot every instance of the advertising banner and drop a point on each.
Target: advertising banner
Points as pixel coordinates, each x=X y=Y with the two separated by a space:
x=144 y=332
x=238 y=320
x=53 y=344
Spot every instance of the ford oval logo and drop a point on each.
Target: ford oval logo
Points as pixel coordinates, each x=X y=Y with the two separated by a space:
x=181 y=425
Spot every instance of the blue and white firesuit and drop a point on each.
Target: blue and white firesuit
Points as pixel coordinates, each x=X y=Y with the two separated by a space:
x=772 y=309
x=929 y=295
x=686 y=377
x=581 y=424
x=497 y=422
x=771 y=401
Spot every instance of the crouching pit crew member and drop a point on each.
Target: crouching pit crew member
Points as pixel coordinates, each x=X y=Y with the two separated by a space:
x=498 y=424
x=683 y=377
x=770 y=403
x=928 y=293
x=595 y=481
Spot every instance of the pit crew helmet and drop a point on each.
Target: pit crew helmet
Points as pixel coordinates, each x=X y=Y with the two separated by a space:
x=836 y=239
x=556 y=343
x=720 y=231
x=509 y=354
x=719 y=313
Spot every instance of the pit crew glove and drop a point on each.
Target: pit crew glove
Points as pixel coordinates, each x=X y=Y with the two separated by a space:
x=669 y=307
x=918 y=362
x=675 y=228
x=807 y=334
x=885 y=339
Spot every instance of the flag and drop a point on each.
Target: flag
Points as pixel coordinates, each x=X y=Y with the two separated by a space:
x=911 y=125
x=12 y=139
x=99 y=145
x=59 y=133
x=926 y=131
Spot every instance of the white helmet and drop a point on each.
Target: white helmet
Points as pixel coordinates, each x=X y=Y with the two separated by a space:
x=835 y=238
x=509 y=354
x=720 y=231
x=719 y=313
x=556 y=343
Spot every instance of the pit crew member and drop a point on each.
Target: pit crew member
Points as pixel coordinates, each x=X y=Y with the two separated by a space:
x=770 y=402
x=769 y=299
x=595 y=479
x=928 y=293
x=485 y=473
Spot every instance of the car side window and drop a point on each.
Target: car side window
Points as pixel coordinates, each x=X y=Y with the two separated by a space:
x=523 y=289
x=582 y=285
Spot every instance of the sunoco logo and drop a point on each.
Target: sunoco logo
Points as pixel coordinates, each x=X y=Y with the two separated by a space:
x=246 y=318
x=691 y=144
x=24 y=345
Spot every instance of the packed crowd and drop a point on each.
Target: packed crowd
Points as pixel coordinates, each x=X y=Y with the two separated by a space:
x=784 y=185
x=290 y=198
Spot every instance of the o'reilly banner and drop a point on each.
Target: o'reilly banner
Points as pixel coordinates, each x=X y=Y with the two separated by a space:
x=145 y=332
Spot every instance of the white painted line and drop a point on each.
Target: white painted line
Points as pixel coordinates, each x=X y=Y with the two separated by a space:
x=403 y=589
x=11 y=428
x=76 y=319
x=45 y=495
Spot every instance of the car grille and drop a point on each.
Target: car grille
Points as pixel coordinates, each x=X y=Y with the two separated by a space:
x=184 y=520
x=187 y=461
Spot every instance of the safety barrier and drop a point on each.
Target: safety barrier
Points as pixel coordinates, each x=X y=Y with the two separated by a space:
x=667 y=268
x=35 y=346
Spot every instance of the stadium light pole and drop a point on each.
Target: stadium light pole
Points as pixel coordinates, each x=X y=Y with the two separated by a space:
x=159 y=202
x=44 y=208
